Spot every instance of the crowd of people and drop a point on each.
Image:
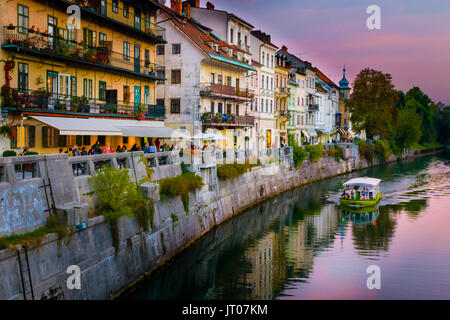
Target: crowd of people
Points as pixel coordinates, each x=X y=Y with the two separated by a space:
x=96 y=149
x=353 y=193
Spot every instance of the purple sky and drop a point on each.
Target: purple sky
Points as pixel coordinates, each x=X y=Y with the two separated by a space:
x=413 y=44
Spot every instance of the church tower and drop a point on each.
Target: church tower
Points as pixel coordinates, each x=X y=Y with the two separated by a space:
x=343 y=86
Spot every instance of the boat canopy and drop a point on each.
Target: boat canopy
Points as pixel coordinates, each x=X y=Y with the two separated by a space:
x=363 y=181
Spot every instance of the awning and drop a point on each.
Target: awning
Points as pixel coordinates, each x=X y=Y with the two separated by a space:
x=341 y=130
x=146 y=132
x=109 y=127
x=313 y=133
x=305 y=134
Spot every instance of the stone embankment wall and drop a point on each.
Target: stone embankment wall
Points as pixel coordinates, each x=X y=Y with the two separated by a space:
x=105 y=272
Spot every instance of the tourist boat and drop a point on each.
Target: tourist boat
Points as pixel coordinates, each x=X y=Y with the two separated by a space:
x=361 y=192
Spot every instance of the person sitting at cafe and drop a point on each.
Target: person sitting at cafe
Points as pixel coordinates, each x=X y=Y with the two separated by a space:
x=152 y=148
x=146 y=148
x=135 y=147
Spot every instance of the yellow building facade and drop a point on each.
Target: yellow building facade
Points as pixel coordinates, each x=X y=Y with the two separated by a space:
x=97 y=61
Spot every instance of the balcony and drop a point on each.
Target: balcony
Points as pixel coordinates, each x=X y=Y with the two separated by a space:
x=283 y=113
x=54 y=47
x=282 y=92
x=92 y=10
x=313 y=107
x=43 y=102
x=227 y=120
x=225 y=92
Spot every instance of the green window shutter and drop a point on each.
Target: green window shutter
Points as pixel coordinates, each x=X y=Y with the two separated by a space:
x=45 y=137
x=79 y=140
x=14 y=139
x=31 y=136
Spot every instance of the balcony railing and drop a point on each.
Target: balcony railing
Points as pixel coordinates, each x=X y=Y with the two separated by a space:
x=43 y=44
x=41 y=101
x=224 y=91
x=283 y=113
x=313 y=107
x=93 y=9
x=229 y=120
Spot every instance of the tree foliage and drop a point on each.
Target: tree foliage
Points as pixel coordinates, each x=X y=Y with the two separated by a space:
x=371 y=104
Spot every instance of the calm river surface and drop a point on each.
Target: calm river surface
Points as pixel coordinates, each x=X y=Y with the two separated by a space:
x=301 y=245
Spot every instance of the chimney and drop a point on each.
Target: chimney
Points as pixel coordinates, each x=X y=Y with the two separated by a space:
x=209 y=6
x=194 y=3
x=175 y=5
x=284 y=48
x=187 y=10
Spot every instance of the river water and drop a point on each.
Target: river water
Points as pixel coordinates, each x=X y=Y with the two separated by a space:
x=301 y=245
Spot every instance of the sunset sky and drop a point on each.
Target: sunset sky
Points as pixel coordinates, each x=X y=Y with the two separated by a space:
x=413 y=44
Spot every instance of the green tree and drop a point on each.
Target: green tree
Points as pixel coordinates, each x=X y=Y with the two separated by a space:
x=416 y=99
x=408 y=130
x=372 y=103
x=443 y=123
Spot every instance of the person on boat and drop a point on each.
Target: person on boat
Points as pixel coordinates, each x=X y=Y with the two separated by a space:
x=366 y=193
x=353 y=192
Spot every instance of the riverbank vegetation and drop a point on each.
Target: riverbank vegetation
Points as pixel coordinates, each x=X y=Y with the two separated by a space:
x=336 y=152
x=315 y=152
x=398 y=121
x=118 y=197
x=232 y=170
x=35 y=237
x=299 y=154
x=180 y=186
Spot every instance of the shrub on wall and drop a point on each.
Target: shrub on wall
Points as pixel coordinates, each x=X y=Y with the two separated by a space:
x=315 y=152
x=180 y=186
x=299 y=154
x=232 y=170
x=9 y=153
x=337 y=153
x=118 y=196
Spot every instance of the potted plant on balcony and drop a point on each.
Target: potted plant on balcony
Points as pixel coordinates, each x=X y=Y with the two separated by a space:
x=6 y=129
x=89 y=55
x=32 y=29
x=217 y=118
x=206 y=117
x=140 y=112
x=229 y=117
x=10 y=27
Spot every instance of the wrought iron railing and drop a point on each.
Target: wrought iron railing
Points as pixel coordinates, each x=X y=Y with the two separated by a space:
x=224 y=90
x=52 y=102
x=219 y=119
x=55 y=46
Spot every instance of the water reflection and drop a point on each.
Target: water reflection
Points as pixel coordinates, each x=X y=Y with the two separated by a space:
x=291 y=245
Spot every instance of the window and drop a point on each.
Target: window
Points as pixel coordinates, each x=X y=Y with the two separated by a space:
x=89 y=37
x=220 y=79
x=239 y=39
x=86 y=140
x=73 y=86
x=263 y=55
x=22 y=19
x=102 y=90
x=213 y=78
x=126 y=10
x=262 y=81
x=51 y=138
x=176 y=77
x=126 y=50
x=115 y=6
x=137 y=18
x=174 y=105
x=219 y=107
x=25 y=137
x=102 y=39
x=126 y=94
x=147 y=58
x=212 y=107
x=87 y=88
x=245 y=40
x=160 y=73
x=176 y=48
x=228 y=81
x=23 y=77
x=160 y=102
x=160 y=50
x=231 y=36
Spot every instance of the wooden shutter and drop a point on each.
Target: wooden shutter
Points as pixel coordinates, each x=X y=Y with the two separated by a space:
x=45 y=137
x=31 y=136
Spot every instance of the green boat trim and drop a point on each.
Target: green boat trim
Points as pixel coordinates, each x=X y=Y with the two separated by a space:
x=362 y=203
